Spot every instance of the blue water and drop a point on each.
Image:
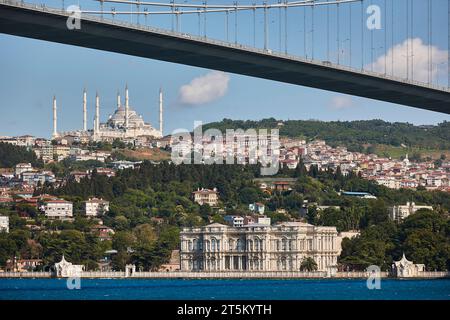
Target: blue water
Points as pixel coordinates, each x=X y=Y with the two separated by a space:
x=176 y=289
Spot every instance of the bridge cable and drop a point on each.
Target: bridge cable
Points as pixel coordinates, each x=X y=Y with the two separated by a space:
x=338 y=35
x=138 y=9
x=385 y=37
x=236 y=24
x=265 y=28
x=371 y=45
x=312 y=31
x=279 y=28
x=407 y=39
x=392 y=38
x=429 y=41
x=328 y=32
x=350 y=34
x=286 y=28
x=305 y=55
x=254 y=26
x=362 y=35
x=412 y=40
x=205 y=20
x=171 y=17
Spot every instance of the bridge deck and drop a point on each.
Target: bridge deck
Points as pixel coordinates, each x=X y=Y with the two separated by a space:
x=96 y=33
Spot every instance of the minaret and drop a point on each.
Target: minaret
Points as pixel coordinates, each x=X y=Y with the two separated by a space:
x=127 y=110
x=118 y=99
x=55 y=119
x=97 y=114
x=84 y=111
x=160 y=111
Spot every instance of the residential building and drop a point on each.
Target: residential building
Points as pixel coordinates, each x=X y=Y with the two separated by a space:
x=257 y=207
x=4 y=224
x=96 y=207
x=22 y=167
x=206 y=196
x=58 y=209
x=103 y=232
x=398 y=213
x=234 y=221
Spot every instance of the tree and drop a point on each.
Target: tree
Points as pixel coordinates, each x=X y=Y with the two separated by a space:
x=123 y=240
x=308 y=264
x=145 y=235
x=205 y=211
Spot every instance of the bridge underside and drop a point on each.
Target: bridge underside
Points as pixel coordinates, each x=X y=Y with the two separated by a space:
x=142 y=43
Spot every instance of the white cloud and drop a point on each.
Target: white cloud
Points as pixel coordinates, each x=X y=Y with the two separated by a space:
x=204 y=89
x=341 y=102
x=418 y=59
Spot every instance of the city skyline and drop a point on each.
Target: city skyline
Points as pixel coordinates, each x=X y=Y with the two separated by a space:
x=40 y=70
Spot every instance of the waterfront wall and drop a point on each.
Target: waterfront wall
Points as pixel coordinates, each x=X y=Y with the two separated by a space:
x=219 y=275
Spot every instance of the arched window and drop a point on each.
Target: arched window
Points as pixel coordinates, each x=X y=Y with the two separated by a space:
x=284 y=244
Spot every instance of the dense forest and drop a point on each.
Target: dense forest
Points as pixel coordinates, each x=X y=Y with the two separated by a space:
x=11 y=155
x=353 y=134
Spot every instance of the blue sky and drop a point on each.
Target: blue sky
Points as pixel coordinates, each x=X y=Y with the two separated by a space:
x=33 y=71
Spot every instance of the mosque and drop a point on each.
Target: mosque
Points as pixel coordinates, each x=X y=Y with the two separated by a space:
x=124 y=124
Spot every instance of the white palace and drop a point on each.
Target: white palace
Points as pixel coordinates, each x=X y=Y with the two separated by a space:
x=258 y=247
x=123 y=124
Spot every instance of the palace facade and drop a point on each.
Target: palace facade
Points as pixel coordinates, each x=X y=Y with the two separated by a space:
x=258 y=247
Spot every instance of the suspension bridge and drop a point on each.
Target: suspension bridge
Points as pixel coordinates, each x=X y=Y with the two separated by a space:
x=326 y=44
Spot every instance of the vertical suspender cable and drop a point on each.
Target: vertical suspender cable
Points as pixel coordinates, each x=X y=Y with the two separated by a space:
x=328 y=32
x=279 y=27
x=205 y=19
x=199 y=24
x=227 y=25
x=429 y=40
x=392 y=39
x=362 y=34
x=254 y=26
x=285 y=28
x=407 y=39
x=412 y=39
x=350 y=34
x=312 y=30
x=385 y=37
x=371 y=46
x=171 y=16
x=304 y=33
x=266 y=36
x=236 y=23
x=338 y=35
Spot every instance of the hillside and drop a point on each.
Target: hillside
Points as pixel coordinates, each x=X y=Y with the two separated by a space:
x=356 y=135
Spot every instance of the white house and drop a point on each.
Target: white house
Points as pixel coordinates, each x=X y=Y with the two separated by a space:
x=58 y=209
x=96 y=207
x=4 y=224
x=22 y=167
x=398 y=213
x=234 y=221
x=206 y=196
